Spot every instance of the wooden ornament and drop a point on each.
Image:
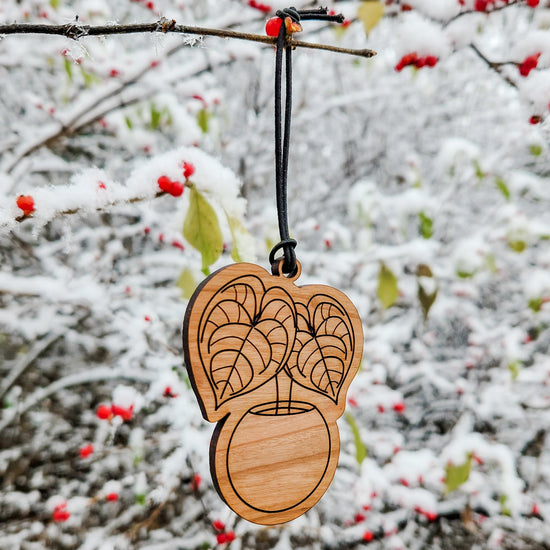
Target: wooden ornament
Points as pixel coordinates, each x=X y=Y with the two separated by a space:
x=271 y=362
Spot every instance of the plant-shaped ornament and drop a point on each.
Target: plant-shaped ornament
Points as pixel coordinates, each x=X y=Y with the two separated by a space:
x=271 y=363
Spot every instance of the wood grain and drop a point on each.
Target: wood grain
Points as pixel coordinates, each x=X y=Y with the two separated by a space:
x=271 y=362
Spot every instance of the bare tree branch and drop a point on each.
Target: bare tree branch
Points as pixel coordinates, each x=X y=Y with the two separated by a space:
x=76 y=31
x=497 y=67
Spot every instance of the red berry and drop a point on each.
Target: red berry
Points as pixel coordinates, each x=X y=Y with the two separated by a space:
x=480 y=5
x=420 y=62
x=177 y=189
x=150 y=6
x=101 y=185
x=165 y=183
x=368 y=536
x=124 y=413
x=406 y=7
x=221 y=538
x=196 y=482
x=218 y=525
x=60 y=513
x=535 y=119
x=381 y=408
x=86 y=451
x=114 y=72
x=188 y=170
x=399 y=407
x=535 y=510
x=529 y=63
x=229 y=536
x=26 y=203
x=533 y=3
x=111 y=497
x=431 y=60
x=104 y=412
x=404 y=482
x=358 y=518
x=352 y=401
x=273 y=26
x=430 y=516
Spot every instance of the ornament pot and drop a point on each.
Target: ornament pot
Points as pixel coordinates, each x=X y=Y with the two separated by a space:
x=274 y=463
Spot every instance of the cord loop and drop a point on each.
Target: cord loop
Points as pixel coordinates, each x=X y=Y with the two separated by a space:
x=282 y=139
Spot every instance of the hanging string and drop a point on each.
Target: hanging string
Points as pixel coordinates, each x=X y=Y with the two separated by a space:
x=282 y=140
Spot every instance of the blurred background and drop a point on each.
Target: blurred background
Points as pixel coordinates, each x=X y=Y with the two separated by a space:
x=418 y=185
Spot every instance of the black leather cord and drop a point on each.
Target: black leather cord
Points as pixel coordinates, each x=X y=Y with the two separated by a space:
x=282 y=140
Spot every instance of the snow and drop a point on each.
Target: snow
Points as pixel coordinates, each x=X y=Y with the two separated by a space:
x=90 y=310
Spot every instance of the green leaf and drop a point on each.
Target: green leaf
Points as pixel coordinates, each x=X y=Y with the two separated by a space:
x=535 y=150
x=535 y=304
x=517 y=245
x=187 y=283
x=455 y=476
x=370 y=13
x=155 y=117
x=479 y=172
x=89 y=78
x=128 y=122
x=360 y=449
x=201 y=229
x=426 y=225
x=68 y=69
x=515 y=368
x=503 y=499
x=140 y=499
x=203 y=118
x=503 y=188
x=387 y=291
x=465 y=274
x=54 y=4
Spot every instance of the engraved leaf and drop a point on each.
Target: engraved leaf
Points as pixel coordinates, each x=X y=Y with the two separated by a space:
x=246 y=337
x=323 y=349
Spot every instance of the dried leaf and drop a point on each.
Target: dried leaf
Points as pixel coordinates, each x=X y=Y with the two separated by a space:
x=370 y=13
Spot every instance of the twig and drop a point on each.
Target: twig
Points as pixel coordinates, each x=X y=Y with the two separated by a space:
x=26 y=361
x=497 y=67
x=470 y=12
x=76 y=31
x=85 y=377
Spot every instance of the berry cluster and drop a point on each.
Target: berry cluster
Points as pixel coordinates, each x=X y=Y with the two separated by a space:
x=223 y=536
x=174 y=187
x=107 y=412
x=488 y=5
x=414 y=59
x=264 y=8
